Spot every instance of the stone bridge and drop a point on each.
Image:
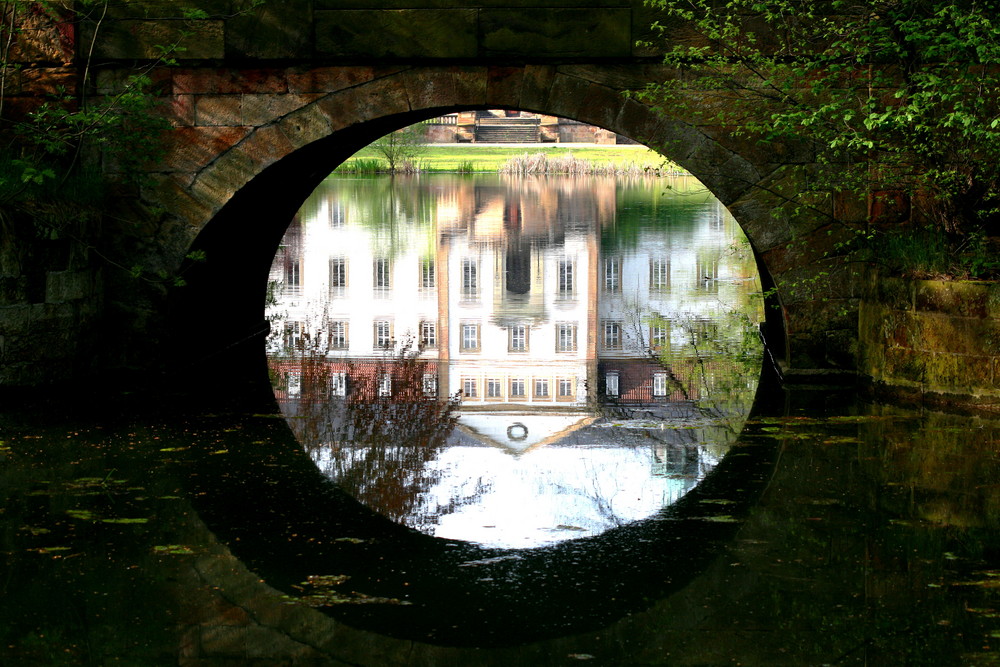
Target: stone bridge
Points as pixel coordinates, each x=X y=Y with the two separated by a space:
x=263 y=103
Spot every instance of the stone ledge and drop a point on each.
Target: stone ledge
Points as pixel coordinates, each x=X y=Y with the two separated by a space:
x=934 y=342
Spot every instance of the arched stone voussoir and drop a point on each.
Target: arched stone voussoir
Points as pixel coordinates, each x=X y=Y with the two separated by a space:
x=437 y=87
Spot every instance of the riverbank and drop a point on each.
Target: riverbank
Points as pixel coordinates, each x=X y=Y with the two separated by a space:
x=491 y=157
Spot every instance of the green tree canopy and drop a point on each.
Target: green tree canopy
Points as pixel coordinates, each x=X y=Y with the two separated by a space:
x=892 y=97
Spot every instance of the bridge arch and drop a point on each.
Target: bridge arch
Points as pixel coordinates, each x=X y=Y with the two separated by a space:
x=236 y=188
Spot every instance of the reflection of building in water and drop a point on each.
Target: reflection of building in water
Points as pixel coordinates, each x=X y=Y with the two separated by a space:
x=533 y=302
x=502 y=288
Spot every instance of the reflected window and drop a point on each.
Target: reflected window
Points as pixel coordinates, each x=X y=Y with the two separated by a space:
x=338 y=383
x=566 y=337
x=611 y=384
x=494 y=388
x=566 y=284
x=659 y=274
x=383 y=334
x=707 y=274
x=470 y=337
x=295 y=335
x=517 y=388
x=428 y=334
x=612 y=334
x=612 y=274
x=336 y=213
x=338 y=335
x=428 y=274
x=659 y=385
x=293 y=274
x=541 y=388
x=566 y=388
x=338 y=276
x=469 y=387
x=430 y=384
x=383 y=273
x=470 y=278
x=658 y=336
x=518 y=338
x=294 y=383
x=385 y=385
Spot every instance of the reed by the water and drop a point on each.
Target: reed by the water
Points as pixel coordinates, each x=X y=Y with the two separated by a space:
x=540 y=163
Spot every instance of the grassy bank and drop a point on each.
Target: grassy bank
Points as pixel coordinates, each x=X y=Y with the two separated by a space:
x=491 y=157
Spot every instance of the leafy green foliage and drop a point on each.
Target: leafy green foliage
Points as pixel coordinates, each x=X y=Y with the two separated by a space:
x=57 y=154
x=890 y=97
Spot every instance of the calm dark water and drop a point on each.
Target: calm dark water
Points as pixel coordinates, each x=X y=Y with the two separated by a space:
x=781 y=526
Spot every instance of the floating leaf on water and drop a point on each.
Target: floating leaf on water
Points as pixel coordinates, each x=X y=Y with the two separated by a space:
x=82 y=515
x=172 y=449
x=126 y=520
x=717 y=501
x=982 y=583
x=48 y=550
x=841 y=440
x=220 y=451
x=722 y=518
x=36 y=530
x=173 y=550
x=324 y=580
x=351 y=540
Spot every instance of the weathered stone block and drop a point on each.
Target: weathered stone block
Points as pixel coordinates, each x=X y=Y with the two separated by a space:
x=190 y=149
x=966 y=299
x=955 y=335
x=260 y=110
x=437 y=87
x=533 y=32
x=222 y=81
x=177 y=110
x=218 y=110
x=903 y=364
x=169 y=9
x=951 y=373
x=264 y=147
x=47 y=81
x=503 y=86
x=326 y=79
x=310 y=123
x=403 y=33
x=145 y=40
x=269 y=31
x=15 y=319
x=536 y=87
x=62 y=286
x=895 y=293
x=42 y=36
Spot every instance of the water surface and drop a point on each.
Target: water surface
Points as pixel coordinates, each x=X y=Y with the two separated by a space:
x=382 y=525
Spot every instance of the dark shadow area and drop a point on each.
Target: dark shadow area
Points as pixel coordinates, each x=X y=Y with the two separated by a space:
x=287 y=522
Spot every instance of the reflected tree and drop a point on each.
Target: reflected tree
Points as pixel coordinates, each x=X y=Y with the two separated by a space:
x=373 y=426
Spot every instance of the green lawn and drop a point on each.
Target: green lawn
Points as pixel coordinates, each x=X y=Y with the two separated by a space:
x=489 y=157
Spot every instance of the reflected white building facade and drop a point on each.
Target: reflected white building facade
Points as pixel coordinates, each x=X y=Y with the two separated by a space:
x=535 y=306
x=504 y=290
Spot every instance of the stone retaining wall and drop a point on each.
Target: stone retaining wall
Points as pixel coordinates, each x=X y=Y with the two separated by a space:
x=932 y=341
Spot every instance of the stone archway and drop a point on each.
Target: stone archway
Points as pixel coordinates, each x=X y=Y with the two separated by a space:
x=231 y=190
